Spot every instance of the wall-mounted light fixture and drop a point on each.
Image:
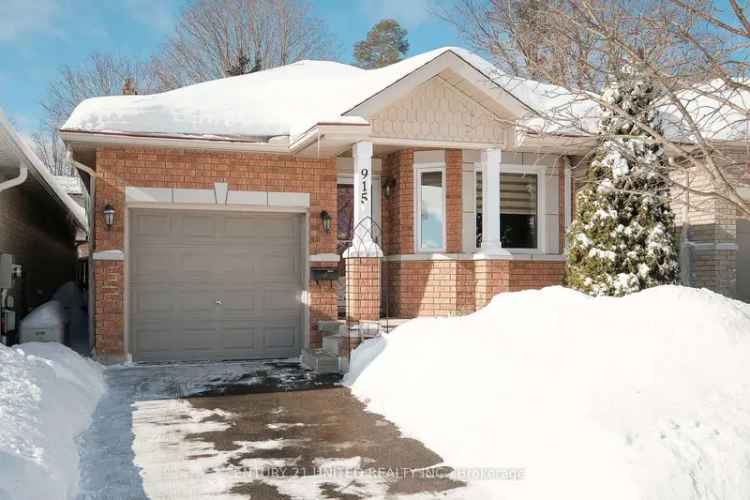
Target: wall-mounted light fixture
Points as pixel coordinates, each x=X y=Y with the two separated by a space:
x=109 y=215
x=389 y=185
x=325 y=219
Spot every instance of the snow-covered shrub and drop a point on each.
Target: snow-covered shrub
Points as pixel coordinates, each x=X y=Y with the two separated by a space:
x=621 y=240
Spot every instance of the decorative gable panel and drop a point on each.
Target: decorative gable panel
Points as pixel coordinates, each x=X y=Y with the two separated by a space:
x=437 y=111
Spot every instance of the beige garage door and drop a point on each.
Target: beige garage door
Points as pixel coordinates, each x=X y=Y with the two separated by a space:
x=214 y=286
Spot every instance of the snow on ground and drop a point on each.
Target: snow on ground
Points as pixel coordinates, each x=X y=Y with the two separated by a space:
x=646 y=396
x=47 y=396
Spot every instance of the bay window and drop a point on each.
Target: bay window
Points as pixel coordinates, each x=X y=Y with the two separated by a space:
x=519 y=210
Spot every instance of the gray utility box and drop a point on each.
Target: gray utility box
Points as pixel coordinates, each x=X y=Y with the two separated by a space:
x=46 y=323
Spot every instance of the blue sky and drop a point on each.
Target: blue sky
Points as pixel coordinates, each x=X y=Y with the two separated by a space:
x=38 y=36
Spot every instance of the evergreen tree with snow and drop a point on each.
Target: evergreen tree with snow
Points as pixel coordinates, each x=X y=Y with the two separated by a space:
x=622 y=238
x=385 y=44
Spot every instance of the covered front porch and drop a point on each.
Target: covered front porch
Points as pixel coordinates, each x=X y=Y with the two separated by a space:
x=438 y=231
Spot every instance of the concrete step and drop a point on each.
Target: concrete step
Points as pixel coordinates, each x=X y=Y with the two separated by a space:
x=320 y=361
x=331 y=327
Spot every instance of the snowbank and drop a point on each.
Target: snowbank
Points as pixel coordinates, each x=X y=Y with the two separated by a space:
x=47 y=396
x=646 y=396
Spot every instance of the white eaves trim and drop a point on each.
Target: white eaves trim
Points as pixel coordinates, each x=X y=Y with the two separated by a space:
x=129 y=139
x=28 y=158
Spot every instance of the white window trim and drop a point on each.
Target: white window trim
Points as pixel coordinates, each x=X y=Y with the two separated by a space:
x=540 y=171
x=419 y=169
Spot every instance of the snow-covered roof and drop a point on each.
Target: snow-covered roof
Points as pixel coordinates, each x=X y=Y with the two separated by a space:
x=289 y=100
x=12 y=147
x=283 y=101
x=69 y=184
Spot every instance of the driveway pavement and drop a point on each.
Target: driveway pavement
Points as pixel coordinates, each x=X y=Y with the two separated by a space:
x=261 y=430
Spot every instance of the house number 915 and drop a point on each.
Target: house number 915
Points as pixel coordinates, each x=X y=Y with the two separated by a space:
x=364 y=196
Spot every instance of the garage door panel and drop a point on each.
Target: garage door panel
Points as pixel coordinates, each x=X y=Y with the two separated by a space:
x=236 y=265
x=281 y=266
x=149 y=304
x=182 y=263
x=280 y=337
x=240 y=305
x=194 y=265
x=151 y=227
x=202 y=339
x=151 y=337
x=242 y=335
x=239 y=228
x=151 y=265
x=279 y=303
x=197 y=226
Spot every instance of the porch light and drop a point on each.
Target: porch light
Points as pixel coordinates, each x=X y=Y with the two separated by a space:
x=325 y=218
x=389 y=184
x=109 y=215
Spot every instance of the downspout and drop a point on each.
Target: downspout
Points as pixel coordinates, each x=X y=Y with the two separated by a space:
x=23 y=174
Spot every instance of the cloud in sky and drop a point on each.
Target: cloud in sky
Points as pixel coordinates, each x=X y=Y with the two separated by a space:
x=25 y=17
x=410 y=13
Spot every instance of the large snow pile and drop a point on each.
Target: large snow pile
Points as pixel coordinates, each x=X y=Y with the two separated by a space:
x=47 y=396
x=645 y=396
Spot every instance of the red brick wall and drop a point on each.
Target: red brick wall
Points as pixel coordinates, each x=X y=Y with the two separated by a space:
x=323 y=303
x=447 y=287
x=422 y=288
x=109 y=294
x=454 y=207
x=363 y=288
x=175 y=168
x=527 y=274
x=492 y=277
x=398 y=210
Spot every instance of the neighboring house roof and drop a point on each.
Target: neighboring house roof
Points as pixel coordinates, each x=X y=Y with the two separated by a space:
x=720 y=112
x=15 y=152
x=70 y=184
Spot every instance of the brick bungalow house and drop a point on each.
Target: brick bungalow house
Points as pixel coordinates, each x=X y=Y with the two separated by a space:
x=224 y=199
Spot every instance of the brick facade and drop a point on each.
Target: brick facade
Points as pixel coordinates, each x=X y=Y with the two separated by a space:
x=174 y=168
x=412 y=287
x=450 y=287
x=453 y=205
x=398 y=210
x=363 y=288
x=110 y=321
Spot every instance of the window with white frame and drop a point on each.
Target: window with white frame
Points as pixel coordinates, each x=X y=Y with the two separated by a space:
x=430 y=208
x=519 y=209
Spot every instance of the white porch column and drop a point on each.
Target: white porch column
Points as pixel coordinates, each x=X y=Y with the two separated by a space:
x=490 y=160
x=362 y=154
x=363 y=244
